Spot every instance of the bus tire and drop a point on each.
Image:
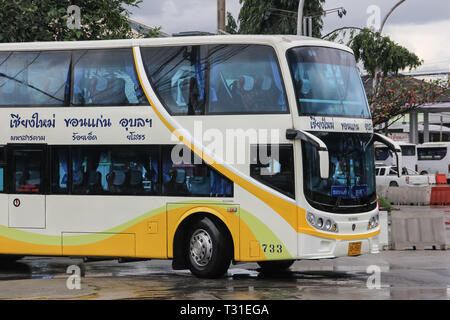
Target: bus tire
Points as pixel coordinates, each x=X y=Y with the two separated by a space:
x=208 y=250
x=275 y=266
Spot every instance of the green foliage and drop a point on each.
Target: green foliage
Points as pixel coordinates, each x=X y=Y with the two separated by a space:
x=253 y=17
x=231 y=26
x=46 y=20
x=384 y=204
x=377 y=51
x=396 y=96
x=153 y=33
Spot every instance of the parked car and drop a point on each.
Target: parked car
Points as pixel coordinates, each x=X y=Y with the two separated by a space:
x=387 y=176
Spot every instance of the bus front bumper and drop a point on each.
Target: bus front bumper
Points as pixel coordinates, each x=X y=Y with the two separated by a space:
x=313 y=247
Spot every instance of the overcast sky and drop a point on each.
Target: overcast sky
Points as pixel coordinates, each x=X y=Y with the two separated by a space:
x=421 y=26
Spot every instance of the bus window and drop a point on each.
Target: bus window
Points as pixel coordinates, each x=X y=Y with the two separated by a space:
x=245 y=79
x=327 y=82
x=431 y=153
x=115 y=170
x=27 y=171
x=106 y=77
x=60 y=170
x=275 y=169
x=408 y=150
x=185 y=174
x=34 y=78
x=382 y=153
x=178 y=76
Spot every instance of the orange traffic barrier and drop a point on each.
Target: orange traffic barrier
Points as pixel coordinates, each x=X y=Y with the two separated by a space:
x=440 y=196
x=441 y=179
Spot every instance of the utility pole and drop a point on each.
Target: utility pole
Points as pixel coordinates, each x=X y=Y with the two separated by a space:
x=300 y=17
x=220 y=16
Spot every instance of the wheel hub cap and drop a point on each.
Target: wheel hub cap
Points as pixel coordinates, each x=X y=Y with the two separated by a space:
x=200 y=247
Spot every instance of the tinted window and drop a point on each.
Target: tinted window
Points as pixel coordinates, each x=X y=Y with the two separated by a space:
x=408 y=150
x=106 y=77
x=245 y=79
x=382 y=153
x=115 y=170
x=34 y=78
x=60 y=170
x=178 y=76
x=217 y=79
x=431 y=153
x=27 y=171
x=185 y=174
x=273 y=167
x=327 y=82
x=351 y=182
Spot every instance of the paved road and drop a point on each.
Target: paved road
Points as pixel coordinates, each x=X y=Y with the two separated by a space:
x=403 y=275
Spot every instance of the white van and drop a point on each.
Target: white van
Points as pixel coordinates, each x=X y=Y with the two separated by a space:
x=433 y=158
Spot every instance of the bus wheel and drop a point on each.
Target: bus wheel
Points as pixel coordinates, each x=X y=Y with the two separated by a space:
x=275 y=266
x=208 y=250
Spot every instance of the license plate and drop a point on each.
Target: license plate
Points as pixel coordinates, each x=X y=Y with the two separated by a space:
x=354 y=248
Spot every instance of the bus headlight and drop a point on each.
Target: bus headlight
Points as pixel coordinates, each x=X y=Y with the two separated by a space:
x=311 y=218
x=373 y=222
x=321 y=223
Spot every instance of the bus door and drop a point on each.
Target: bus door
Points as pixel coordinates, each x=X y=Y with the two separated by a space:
x=26 y=170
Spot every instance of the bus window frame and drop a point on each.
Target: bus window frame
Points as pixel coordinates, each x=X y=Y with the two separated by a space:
x=72 y=75
x=44 y=167
x=207 y=81
x=69 y=98
x=66 y=98
x=305 y=114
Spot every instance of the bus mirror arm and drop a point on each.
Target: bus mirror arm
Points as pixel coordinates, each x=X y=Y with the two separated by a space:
x=321 y=147
x=394 y=147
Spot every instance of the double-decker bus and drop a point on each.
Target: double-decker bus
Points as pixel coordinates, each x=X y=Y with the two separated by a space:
x=204 y=150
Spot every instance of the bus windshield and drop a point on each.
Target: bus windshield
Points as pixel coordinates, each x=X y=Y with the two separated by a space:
x=351 y=183
x=327 y=82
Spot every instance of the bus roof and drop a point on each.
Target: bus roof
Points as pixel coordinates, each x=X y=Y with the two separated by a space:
x=435 y=144
x=286 y=41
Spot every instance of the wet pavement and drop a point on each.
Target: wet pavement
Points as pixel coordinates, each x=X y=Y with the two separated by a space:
x=402 y=275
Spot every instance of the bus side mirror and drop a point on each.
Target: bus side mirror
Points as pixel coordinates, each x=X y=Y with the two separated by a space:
x=394 y=147
x=324 y=158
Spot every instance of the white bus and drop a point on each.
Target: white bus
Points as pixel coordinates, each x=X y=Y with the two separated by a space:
x=106 y=150
x=433 y=158
x=409 y=155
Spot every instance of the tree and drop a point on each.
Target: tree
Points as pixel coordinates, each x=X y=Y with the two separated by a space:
x=377 y=51
x=47 y=20
x=259 y=16
x=397 y=95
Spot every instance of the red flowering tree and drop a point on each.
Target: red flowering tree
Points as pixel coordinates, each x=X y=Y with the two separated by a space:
x=396 y=96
